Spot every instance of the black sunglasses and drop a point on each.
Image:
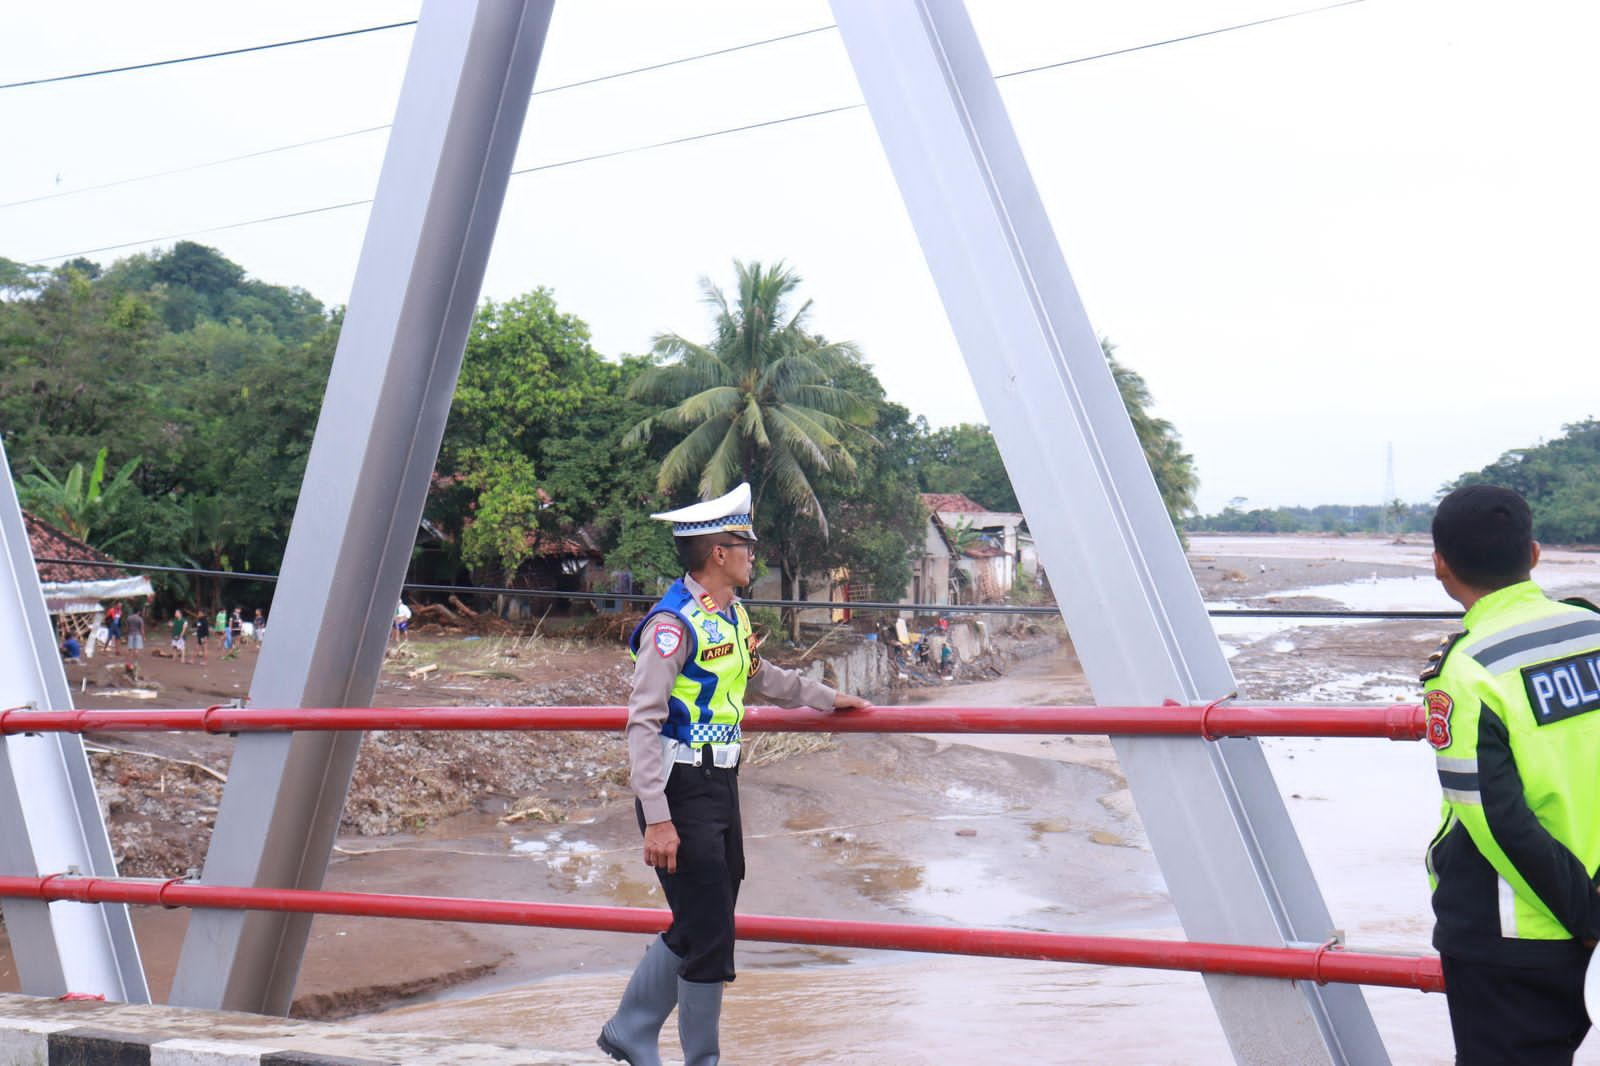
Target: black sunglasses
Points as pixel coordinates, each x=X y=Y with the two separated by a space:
x=747 y=545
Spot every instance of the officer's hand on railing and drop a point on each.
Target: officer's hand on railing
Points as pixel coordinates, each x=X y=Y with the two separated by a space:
x=661 y=846
x=845 y=702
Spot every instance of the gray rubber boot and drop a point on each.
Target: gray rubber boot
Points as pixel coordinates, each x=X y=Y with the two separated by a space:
x=699 y=1014
x=634 y=1032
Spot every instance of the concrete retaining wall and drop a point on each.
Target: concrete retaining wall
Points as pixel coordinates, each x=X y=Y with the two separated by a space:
x=863 y=670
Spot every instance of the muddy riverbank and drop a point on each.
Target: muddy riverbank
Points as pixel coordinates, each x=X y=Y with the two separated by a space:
x=1013 y=832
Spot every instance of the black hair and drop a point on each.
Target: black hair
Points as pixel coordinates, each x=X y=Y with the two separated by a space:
x=694 y=552
x=1485 y=535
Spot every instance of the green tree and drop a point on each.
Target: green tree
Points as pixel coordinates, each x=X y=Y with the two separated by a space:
x=1560 y=480
x=965 y=459
x=1172 y=466
x=757 y=404
x=218 y=398
x=878 y=518
x=533 y=441
x=764 y=402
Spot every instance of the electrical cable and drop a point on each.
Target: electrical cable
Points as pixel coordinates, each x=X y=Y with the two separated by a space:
x=850 y=605
x=208 y=55
x=1178 y=40
x=192 y=166
x=387 y=125
x=693 y=137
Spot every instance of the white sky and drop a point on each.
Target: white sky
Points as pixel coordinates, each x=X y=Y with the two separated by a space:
x=1314 y=238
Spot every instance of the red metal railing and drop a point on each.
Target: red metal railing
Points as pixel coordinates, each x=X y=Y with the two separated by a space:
x=1323 y=964
x=1212 y=721
x=1400 y=721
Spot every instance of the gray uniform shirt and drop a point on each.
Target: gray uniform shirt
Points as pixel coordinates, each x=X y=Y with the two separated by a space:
x=653 y=675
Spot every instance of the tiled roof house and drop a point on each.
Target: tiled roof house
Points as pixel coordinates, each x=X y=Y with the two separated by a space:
x=73 y=588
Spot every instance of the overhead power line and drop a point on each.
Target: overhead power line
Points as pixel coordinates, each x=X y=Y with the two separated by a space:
x=698 y=136
x=1180 y=40
x=387 y=125
x=191 y=167
x=208 y=55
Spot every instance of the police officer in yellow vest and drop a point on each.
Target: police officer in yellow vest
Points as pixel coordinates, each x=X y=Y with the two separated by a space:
x=695 y=662
x=1514 y=715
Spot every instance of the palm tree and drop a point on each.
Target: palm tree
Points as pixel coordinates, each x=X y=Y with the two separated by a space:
x=759 y=402
x=1172 y=466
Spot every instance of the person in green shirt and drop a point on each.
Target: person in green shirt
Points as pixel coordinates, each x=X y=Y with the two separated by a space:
x=180 y=626
x=1511 y=705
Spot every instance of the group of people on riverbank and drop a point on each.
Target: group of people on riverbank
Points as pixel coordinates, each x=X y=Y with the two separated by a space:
x=123 y=629
x=230 y=627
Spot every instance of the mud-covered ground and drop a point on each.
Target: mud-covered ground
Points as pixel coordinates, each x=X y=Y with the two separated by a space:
x=862 y=826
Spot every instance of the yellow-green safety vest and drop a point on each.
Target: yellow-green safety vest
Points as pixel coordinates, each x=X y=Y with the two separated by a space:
x=1512 y=717
x=706 y=704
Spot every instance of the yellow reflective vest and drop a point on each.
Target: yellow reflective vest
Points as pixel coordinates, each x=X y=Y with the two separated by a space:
x=706 y=704
x=1512 y=717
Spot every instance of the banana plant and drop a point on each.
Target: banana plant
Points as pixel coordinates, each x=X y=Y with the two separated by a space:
x=76 y=503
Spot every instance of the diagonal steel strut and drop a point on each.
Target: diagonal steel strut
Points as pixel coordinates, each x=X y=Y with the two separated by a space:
x=1215 y=819
x=444 y=176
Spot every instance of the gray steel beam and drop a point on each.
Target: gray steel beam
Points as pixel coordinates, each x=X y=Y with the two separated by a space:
x=1217 y=823
x=50 y=816
x=444 y=176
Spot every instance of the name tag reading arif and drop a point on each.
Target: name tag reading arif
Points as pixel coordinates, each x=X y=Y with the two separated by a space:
x=1564 y=688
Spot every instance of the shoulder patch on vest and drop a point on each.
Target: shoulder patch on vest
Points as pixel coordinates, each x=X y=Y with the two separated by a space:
x=668 y=637
x=1440 y=706
x=1438 y=656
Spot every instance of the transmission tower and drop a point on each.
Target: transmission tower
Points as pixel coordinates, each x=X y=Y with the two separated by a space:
x=1389 y=494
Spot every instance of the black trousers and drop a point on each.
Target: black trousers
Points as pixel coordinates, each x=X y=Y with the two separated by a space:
x=1527 y=1016
x=705 y=812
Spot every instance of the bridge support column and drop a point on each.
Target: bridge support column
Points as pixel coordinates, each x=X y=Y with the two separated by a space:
x=1226 y=846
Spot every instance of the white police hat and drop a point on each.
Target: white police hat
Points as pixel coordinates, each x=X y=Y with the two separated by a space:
x=729 y=513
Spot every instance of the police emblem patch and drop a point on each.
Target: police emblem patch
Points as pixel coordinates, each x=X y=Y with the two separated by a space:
x=668 y=637
x=1439 y=705
x=712 y=630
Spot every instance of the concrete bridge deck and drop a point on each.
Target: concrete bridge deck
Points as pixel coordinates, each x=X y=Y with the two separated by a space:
x=48 y=1032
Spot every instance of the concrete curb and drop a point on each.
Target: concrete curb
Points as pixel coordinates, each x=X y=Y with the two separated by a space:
x=37 y=1031
x=31 y=1043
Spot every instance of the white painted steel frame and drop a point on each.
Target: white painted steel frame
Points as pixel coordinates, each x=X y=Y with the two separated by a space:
x=50 y=817
x=1215 y=818
x=1213 y=813
x=455 y=134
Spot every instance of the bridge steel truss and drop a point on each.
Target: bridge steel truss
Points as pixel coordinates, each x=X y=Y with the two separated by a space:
x=1218 y=826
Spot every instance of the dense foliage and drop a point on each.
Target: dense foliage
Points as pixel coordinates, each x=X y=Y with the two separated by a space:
x=966 y=459
x=162 y=408
x=1561 y=480
x=200 y=384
